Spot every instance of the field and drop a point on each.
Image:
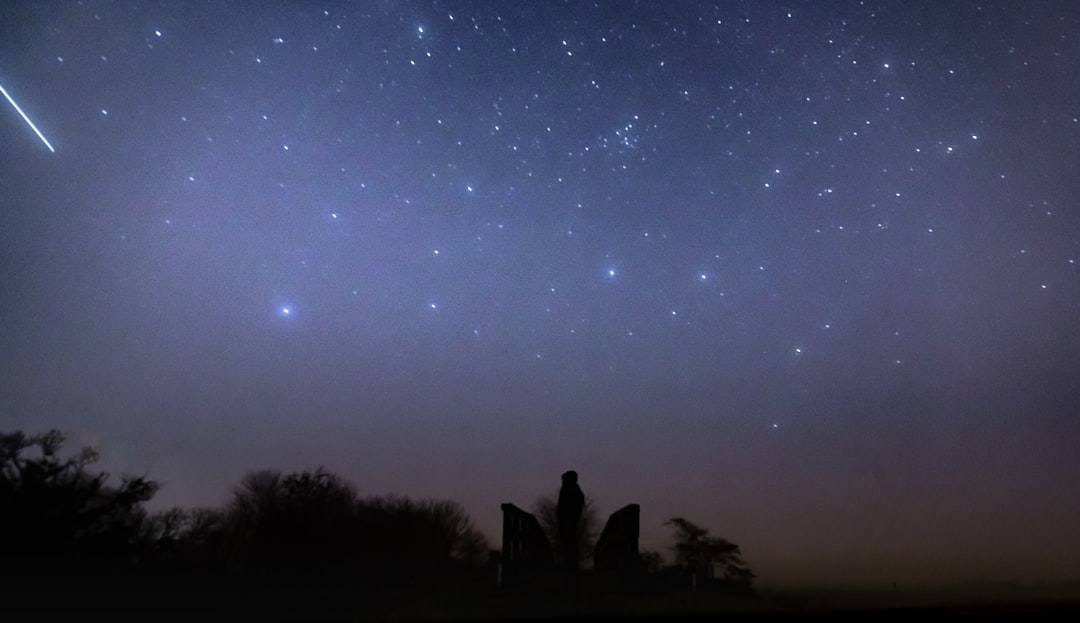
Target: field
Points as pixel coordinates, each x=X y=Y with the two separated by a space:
x=554 y=599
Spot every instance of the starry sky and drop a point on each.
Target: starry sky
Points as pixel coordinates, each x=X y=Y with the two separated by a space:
x=805 y=273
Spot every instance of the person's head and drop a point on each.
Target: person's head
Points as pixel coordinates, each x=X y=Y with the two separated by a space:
x=569 y=478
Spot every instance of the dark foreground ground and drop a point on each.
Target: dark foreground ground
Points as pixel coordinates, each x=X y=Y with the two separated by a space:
x=553 y=599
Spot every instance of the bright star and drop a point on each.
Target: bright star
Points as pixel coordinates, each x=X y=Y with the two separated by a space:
x=285 y=310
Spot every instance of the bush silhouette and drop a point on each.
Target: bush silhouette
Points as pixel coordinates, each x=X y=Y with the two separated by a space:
x=311 y=528
x=700 y=556
x=61 y=523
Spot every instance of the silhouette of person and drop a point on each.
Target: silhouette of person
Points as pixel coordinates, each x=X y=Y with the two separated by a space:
x=568 y=512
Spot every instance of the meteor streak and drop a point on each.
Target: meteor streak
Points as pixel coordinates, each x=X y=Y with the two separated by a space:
x=26 y=119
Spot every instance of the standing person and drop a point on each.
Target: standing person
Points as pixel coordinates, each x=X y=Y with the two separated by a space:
x=568 y=511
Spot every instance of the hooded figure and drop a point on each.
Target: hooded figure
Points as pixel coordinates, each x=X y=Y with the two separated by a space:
x=568 y=512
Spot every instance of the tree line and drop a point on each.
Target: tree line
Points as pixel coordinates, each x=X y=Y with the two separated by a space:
x=64 y=527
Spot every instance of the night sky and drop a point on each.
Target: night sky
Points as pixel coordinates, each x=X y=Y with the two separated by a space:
x=805 y=273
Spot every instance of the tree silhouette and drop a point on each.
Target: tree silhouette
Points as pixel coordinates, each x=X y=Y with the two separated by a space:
x=300 y=524
x=545 y=508
x=61 y=521
x=281 y=543
x=455 y=537
x=652 y=562
x=161 y=537
x=411 y=539
x=312 y=526
x=700 y=555
x=189 y=541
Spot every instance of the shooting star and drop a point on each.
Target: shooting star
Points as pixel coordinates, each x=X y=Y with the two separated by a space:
x=26 y=119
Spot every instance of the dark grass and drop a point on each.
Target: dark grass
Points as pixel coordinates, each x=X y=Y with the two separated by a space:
x=554 y=598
